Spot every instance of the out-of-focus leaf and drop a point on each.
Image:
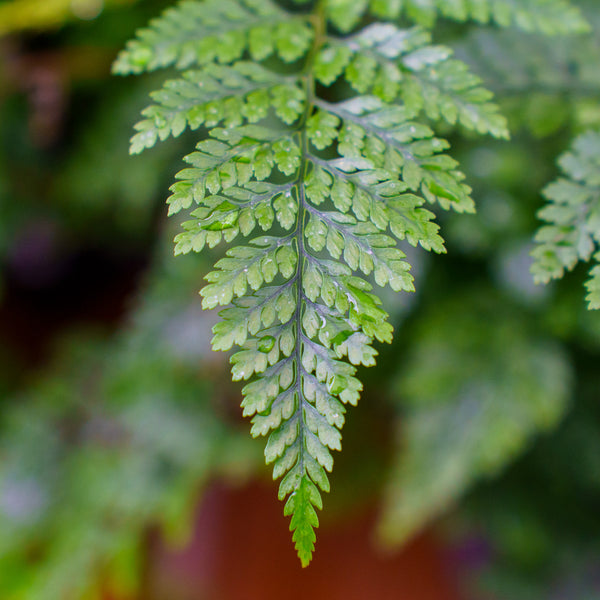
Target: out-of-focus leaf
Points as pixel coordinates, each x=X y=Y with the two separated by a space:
x=114 y=437
x=572 y=215
x=477 y=387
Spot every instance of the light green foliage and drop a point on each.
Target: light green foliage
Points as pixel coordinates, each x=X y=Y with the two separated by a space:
x=474 y=396
x=216 y=31
x=317 y=159
x=228 y=95
x=573 y=216
x=392 y=62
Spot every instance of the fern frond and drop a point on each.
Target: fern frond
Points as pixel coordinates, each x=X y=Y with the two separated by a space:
x=218 y=31
x=573 y=216
x=404 y=148
x=393 y=64
x=546 y=16
x=320 y=192
x=228 y=95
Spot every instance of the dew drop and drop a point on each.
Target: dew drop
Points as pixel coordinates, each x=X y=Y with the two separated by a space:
x=266 y=343
x=336 y=385
x=352 y=301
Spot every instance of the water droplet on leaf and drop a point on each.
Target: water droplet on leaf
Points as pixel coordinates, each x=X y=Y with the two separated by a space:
x=266 y=343
x=336 y=385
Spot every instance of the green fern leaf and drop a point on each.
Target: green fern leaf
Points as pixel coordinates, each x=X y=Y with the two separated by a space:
x=593 y=286
x=228 y=95
x=573 y=216
x=314 y=197
x=402 y=64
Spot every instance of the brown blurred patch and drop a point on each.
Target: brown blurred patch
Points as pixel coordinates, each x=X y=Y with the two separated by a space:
x=242 y=550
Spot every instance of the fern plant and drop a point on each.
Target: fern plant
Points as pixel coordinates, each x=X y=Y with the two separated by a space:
x=572 y=230
x=542 y=95
x=317 y=160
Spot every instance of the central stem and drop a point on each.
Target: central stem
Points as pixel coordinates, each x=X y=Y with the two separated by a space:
x=319 y=24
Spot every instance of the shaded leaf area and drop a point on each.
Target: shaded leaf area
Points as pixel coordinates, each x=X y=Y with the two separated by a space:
x=540 y=517
x=572 y=215
x=116 y=436
x=476 y=386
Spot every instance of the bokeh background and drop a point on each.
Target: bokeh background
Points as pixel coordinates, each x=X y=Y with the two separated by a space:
x=471 y=468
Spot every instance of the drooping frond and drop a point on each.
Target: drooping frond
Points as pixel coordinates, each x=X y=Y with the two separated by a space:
x=546 y=16
x=475 y=395
x=313 y=190
x=572 y=232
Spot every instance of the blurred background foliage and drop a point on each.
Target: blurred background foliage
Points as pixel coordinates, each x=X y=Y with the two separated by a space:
x=483 y=417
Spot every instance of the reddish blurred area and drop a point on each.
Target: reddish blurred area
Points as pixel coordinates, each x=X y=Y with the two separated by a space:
x=241 y=550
